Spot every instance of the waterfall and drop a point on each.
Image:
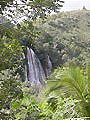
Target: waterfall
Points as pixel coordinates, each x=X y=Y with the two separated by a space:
x=36 y=74
x=48 y=67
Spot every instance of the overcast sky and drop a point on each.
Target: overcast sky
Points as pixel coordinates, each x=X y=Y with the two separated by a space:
x=75 y=4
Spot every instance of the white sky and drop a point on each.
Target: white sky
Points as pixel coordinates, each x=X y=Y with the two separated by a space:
x=75 y=4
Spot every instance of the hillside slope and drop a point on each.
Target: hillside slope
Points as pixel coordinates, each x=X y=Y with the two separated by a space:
x=68 y=29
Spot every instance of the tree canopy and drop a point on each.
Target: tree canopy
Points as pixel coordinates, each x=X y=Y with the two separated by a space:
x=29 y=8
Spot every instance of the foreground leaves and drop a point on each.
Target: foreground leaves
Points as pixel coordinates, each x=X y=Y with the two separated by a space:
x=73 y=81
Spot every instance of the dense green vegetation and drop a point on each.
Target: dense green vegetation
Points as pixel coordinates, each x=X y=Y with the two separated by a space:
x=65 y=38
x=73 y=81
x=67 y=96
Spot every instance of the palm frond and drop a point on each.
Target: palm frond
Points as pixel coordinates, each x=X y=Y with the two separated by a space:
x=71 y=81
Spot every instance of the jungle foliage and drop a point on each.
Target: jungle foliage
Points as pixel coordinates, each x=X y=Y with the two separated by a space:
x=67 y=96
x=75 y=82
x=65 y=37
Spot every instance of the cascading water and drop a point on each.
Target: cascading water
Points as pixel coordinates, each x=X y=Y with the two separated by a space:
x=36 y=74
x=49 y=65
